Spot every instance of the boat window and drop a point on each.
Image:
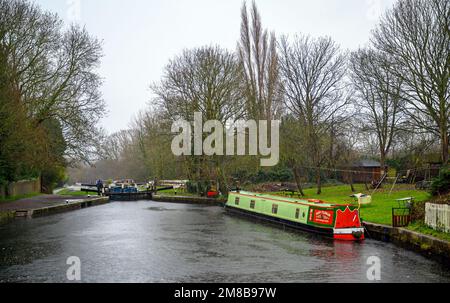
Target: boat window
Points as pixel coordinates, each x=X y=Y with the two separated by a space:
x=252 y=204
x=274 y=209
x=297 y=214
x=237 y=201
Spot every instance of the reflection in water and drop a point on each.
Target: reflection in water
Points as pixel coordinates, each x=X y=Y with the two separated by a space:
x=347 y=252
x=156 y=242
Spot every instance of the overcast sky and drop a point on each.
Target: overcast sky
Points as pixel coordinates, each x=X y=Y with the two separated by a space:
x=140 y=36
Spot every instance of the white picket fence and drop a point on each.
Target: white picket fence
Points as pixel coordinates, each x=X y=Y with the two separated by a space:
x=438 y=216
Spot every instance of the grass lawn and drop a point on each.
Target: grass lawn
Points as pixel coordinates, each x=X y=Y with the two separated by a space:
x=173 y=192
x=380 y=211
x=423 y=229
x=68 y=192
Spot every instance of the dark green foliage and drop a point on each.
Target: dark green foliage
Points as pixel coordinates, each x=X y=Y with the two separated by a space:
x=441 y=184
x=274 y=175
x=49 y=94
x=397 y=164
x=52 y=177
x=199 y=187
x=17 y=138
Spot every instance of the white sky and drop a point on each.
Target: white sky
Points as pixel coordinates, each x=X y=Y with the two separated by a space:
x=140 y=36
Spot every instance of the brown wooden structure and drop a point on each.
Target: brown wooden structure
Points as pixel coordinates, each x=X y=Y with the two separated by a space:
x=401 y=217
x=364 y=171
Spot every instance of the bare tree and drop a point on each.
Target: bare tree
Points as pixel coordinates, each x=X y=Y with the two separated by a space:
x=378 y=100
x=258 y=55
x=115 y=145
x=204 y=80
x=415 y=35
x=312 y=72
x=201 y=80
x=293 y=140
x=152 y=144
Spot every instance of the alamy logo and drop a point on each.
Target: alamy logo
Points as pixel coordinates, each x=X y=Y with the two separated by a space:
x=190 y=142
x=74 y=271
x=374 y=271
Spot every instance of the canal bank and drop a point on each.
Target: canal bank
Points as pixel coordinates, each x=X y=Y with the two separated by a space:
x=147 y=241
x=425 y=245
x=428 y=246
x=45 y=205
x=6 y=216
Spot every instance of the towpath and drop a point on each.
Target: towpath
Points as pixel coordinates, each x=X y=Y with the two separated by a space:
x=38 y=202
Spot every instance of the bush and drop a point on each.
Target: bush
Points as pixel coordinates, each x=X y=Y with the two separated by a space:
x=241 y=175
x=278 y=175
x=418 y=212
x=53 y=176
x=198 y=187
x=441 y=184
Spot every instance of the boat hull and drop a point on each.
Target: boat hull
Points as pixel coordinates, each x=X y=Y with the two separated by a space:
x=327 y=232
x=340 y=222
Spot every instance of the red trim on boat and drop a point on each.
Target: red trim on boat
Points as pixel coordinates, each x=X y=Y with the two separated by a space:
x=348 y=237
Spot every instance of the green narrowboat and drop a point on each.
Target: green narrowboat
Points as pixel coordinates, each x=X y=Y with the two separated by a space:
x=341 y=222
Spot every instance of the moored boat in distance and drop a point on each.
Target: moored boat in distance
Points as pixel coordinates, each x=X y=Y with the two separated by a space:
x=341 y=222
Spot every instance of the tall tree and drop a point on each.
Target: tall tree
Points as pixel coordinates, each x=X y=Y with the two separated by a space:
x=204 y=80
x=258 y=55
x=415 y=35
x=312 y=72
x=25 y=150
x=293 y=140
x=152 y=141
x=378 y=100
x=54 y=72
x=13 y=128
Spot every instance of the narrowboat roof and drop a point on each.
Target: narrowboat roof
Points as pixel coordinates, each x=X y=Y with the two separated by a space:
x=289 y=200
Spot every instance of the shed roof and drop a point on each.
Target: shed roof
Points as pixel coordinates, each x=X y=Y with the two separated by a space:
x=367 y=163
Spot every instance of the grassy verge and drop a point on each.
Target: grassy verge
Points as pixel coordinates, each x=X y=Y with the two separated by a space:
x=173 y=192
x=68 y=192
x=380 y=211
x=19 y=197
x=423 y=229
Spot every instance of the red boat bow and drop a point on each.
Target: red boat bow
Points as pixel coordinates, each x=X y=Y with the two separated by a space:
x=348 y=225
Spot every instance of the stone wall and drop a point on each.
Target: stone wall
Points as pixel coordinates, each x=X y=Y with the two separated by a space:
x=6 y=217
x=426 y=245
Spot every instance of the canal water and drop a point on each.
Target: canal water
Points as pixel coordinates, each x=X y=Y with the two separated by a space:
x=157 y=242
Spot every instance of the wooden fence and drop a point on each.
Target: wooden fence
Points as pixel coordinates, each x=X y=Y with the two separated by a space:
x=20 y=188
x=438 y=216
